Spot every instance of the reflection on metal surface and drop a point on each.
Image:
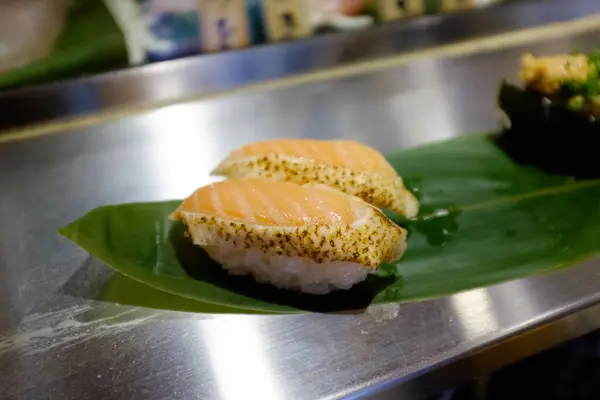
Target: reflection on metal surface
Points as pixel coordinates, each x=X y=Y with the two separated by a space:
x=169 y=81
x=55 y=179
x=518 y=291
x=439 y=121
x=475 y=313
x=182 y=158
x=239 y=359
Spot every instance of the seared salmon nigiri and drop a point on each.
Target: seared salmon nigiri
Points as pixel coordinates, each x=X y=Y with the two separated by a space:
x=345 y=165
x=310 y=238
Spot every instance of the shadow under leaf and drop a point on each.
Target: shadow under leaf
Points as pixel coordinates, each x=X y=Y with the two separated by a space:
x=200 y=266
x=124 y=290
x=95 y=280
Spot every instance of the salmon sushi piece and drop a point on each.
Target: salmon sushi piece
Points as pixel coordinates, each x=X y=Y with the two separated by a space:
x=309 y=238
x=345 y=165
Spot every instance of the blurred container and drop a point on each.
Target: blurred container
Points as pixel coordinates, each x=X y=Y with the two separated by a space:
x=391 y=10
x=170 y=28
x=458 y=5
x=224 y=25
x=327 y=16
x=28 y=30
x=286 y=19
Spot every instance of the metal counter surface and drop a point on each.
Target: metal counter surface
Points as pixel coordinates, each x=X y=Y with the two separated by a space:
x=58 y=341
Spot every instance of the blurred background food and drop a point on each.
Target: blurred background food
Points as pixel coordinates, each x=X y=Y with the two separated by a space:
x=78 y=37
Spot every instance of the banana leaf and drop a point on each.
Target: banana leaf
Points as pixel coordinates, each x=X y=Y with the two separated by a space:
x=485 y=219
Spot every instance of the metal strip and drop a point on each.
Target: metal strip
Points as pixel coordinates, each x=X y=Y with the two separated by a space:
x=208 y=74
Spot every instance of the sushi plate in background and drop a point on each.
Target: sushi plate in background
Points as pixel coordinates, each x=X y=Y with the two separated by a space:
x=484 y=219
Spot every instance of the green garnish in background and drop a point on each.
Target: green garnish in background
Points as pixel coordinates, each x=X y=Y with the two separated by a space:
x=576 y=103
x=582 y=94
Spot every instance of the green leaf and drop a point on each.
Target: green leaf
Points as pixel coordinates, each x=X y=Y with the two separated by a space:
x=484 y=220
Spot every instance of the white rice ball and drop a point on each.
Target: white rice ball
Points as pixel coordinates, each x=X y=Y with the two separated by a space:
x=296 y=273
